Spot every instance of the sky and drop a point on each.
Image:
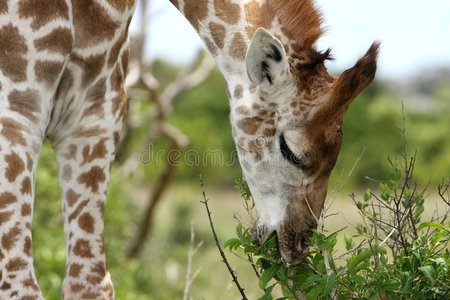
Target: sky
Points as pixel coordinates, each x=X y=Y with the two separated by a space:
x=415 y=34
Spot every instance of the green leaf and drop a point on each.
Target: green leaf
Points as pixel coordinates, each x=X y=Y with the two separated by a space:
x=270 y=243
x=232 y=244
x=406 y=283
x=268 y=293
x=434 y=225
x=329 y=282
x=430 y=273
x=354 y=261
x=267 y=275
x=367 y=195
x=281 y=276
x=348 y=242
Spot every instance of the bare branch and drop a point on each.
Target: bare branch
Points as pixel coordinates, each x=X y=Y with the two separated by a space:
x=192 y=250
x=219 y=247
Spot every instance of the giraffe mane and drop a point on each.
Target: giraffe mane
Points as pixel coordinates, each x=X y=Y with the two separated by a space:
x=300 y=20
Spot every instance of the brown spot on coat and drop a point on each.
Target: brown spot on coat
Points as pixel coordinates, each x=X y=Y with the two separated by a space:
x=75 y=270
x=92 y=23
x=12 y=51
x=15 y=166
x=29 y=162
x=238 y=48
x=86 y=222
x=16 y=264
x=10 y=238
x=238 y=91
x=5 y=286
x=5 y=216
x=27 y=103
x=67 y=172
x=217 y=34
x=85 y=132
x=43 y=11
x=59 y=40
x=72 y=197
x=26 y=186
x=30 y=284
x=120 y=102
x=255 y=150
x=92 y=178
x=3 y=6
x=269 y=132
x=95 y=99
x=227 y=11
x=13 y=131
x=76 y=288
x=28 y=247
x=72 y=152
x=195 y=11
x=98 y=151
x=250 y=125
x=48 y=71
x=242 y=110
x=26 y=210
x=91 y=66
x=83 y=249
x=98 y=272
x=6 y=199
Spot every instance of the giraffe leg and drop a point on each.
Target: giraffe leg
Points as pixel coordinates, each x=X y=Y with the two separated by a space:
x=19 y=153
x=84 y=165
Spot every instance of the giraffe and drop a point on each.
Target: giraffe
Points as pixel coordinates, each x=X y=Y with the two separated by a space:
x=62 y=68
x=286 y=111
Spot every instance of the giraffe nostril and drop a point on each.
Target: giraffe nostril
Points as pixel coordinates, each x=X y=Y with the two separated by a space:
x=302 y=240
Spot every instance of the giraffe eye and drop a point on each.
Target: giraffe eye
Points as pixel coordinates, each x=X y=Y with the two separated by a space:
x=298 y=161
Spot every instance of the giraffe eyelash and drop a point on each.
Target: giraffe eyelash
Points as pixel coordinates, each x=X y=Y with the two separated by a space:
x=299 y=162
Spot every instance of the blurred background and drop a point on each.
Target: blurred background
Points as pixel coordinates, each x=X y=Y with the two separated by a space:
x=178 y=128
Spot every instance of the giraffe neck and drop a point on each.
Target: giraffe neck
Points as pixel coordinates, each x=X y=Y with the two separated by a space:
x=227 y=27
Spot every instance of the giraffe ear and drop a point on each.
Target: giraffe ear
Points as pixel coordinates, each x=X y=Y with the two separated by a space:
x=354 y=80
x=266 y=58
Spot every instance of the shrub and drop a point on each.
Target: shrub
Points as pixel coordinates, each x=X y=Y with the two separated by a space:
x=394 y=254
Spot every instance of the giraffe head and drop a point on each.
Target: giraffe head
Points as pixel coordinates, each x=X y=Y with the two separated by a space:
x=288 y=130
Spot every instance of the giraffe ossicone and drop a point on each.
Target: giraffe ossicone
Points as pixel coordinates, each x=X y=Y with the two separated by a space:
x=62 y=78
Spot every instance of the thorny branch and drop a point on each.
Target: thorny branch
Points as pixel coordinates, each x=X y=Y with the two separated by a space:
x=219 y=247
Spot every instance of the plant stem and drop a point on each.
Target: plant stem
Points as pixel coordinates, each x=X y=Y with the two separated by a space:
x=216 y=240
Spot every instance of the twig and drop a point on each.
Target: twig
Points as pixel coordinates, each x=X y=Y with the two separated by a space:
x=393 y=230
x=325 y=253
x=444 y=191
x=216 y=240
x=338 y=188
x=405 y=142
x=192 y=250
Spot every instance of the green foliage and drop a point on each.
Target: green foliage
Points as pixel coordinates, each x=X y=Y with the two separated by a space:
x=394 y=255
